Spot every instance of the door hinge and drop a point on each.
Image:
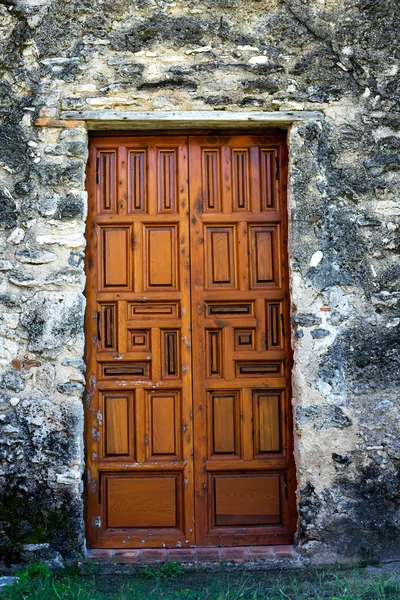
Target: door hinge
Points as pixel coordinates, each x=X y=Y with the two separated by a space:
x=276 y=167
x=283 y=325
x=96 y=522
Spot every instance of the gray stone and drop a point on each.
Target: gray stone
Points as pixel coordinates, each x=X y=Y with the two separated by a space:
x=319 y=333
x=48 y=204
x=7 y=581
x=70 y=173
x=70 y=388
x=35 y=257
x=306 y=320
x=70 y=207
x=322 y=417
x=8 y=209
x=52 y=319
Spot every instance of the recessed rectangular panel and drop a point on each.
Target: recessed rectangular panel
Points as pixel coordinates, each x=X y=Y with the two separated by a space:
x=137 y=184
x=164 y=423
x=107 y=327
x=161 y=257
x=247 y=500
x=153 y=309
x=262 y=248
x=224 y=422
x=214 y=353
x=268 y=180
x=257 y=369
x=140 y=501
x=240 y=180
x=116 y=257
x=266 y=418
x=166 y=161
x=274 y=324
x=118 y=425
x=107 y=181
x=139 y=340
x=244 y=339
x=128 y=369
x=230 y=309
x=220 y=257
x=211 y=183
x=170 y=353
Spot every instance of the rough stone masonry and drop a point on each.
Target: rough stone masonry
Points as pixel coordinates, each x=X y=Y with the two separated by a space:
x=339 y=58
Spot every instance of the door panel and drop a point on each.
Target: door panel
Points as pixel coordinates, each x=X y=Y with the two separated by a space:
x=244 y=487
x=139 y=401
x=170 y=463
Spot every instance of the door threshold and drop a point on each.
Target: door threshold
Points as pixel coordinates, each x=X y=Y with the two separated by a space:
x=198 y=557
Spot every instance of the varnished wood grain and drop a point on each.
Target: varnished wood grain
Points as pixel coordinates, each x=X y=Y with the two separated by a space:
x=141 y=502
x=247 y=500
x=116 y=415
x=144 y=420
x=240 y=308
x=138 y=351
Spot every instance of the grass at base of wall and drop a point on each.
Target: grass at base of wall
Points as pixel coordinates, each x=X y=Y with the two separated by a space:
x=170 y=583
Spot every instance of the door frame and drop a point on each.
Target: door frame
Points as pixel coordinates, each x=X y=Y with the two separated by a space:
x=122 y=123
x=277 y=133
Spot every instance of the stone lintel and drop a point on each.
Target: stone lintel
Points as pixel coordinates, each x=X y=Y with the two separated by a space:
x=162 y=120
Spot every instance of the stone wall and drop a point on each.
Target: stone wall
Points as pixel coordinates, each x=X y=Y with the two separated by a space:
x=336 y=57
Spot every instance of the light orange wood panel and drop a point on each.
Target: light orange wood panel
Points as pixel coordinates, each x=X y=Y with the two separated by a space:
x=211 y=180
x=244 y=339
x=224 y=410
x=220 y=249
x=214 y=353
x=247 y=500
x=240 y=179
x=115 y=246
x=266 y=418
x=107 y=182
x=161 y=256
x=170 y=353
x=107 y=327
x=274 y=324
x=138 y=331
x=153 y=309
x=137 y=180
x=139 y=340
x=269 y=161
x=167 y=181
x=140 y=502
x=163 y=424
x=263 y=259
x=116 y=416
x=240 y=305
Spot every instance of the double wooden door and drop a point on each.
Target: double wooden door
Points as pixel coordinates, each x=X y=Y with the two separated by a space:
x=188 y=420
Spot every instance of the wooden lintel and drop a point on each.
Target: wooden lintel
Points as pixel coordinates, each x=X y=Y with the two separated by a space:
x=161 y=120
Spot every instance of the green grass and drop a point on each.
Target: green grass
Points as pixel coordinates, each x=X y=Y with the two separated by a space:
x=169 y=582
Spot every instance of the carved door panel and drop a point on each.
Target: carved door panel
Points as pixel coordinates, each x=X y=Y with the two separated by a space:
x=244 y=485
x=160 y=309
x=139 y=400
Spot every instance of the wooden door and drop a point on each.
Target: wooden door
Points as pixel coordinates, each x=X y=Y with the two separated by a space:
x=139 y=400
x=244 y=485
x=143 y=284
